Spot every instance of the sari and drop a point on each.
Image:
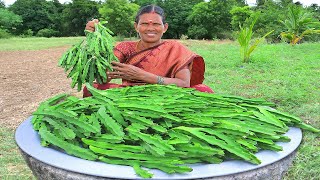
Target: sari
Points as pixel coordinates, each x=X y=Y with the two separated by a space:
x=164 y=59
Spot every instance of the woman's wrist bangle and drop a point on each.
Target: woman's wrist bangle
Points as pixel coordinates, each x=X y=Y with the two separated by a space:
x=160 y=80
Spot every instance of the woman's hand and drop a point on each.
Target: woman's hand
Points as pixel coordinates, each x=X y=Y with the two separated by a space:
x=125 y=71
x=90 y=25
x=133 y=73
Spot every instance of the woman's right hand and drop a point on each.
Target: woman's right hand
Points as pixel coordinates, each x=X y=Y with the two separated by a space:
x=90 y=25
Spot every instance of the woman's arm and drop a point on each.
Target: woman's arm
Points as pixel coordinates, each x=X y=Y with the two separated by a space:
x=90 y=25
x=130 y=72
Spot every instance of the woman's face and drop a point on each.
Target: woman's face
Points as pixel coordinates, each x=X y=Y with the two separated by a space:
x=150 y=28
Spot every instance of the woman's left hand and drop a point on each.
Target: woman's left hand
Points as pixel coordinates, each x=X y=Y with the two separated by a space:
x=125 y=71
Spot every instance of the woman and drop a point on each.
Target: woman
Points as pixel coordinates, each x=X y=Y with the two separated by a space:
x=152 y=60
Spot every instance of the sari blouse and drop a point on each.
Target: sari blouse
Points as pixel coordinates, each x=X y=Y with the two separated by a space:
x=165 y=59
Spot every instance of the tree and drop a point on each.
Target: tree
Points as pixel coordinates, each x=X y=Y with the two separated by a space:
x=176 y=12
x=241 y=3
x=286 y=3
x=9 y=20
x=315 y=10
x=120 y=15
x=35 y=14
x=55 y=13
x=2 y=5
x=299 y=23
x=146 y=2
x=260 y=2
x=76 y=14
x=271 y=13
x=213 y=16
x=239 y=15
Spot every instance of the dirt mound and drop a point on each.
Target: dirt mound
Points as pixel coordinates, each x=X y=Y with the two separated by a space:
x=28 y=78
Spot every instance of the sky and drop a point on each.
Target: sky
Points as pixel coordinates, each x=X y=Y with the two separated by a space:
x=304 y=2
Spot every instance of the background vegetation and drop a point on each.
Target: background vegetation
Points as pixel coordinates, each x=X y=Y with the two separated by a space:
x=196 y=19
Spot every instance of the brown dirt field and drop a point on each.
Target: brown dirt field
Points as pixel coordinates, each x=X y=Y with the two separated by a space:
x=28 y=78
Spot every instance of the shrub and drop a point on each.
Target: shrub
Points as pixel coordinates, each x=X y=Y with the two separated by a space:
x=197 y=32
x=27 y=33
x=299 y=24
x=225 y=35
x=47 y=32
x=244 y=38
x=119 y=37
x=184 y=37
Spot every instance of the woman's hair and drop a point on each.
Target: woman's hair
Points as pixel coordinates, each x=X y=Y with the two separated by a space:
x=150 y=9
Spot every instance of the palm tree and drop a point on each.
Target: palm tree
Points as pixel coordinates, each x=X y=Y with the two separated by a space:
x=298 y=24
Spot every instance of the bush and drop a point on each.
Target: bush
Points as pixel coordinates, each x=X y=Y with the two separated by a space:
x=312 y=38
x=4 y=33
x=47 y=32
x=197 y=32
x=184 y=37
x=119 y=37
x=225 y=35
x=27 y=33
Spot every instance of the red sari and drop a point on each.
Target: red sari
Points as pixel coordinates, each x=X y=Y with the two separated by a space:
x=165 y=59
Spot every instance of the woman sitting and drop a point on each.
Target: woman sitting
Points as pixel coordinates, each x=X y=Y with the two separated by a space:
x=152 y=60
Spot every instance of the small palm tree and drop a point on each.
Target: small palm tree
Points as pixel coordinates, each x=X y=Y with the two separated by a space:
x=244 y=39
x=298 y=24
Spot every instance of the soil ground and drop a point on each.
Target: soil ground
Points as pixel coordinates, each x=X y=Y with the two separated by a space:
x=26 y=79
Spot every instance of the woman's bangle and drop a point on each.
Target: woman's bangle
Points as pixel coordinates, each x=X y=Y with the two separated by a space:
x=160 y=80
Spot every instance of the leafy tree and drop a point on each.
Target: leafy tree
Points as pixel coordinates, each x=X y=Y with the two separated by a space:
x=260 y=2
x=213 y=16
x=271 y=13
x=239 y=15
x=35 y=14
x=197 y=32
x=146 y=2
x=298 y=3
x=241 y=3
x=55 y=14
x=120 y=15
x=8 y=22
x=76 y=14
x=315 y=10
x=176 y=12
x=299 y=23
x=286 y=3
x=2 y=5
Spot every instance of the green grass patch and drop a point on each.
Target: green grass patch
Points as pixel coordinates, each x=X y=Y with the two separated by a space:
x=36 y=43
x=284 y=74
x=12 y=163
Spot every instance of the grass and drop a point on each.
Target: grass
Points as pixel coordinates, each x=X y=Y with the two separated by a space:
x=38 y=43
x=286 y=75
x=32 y=43
x=12 y=164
